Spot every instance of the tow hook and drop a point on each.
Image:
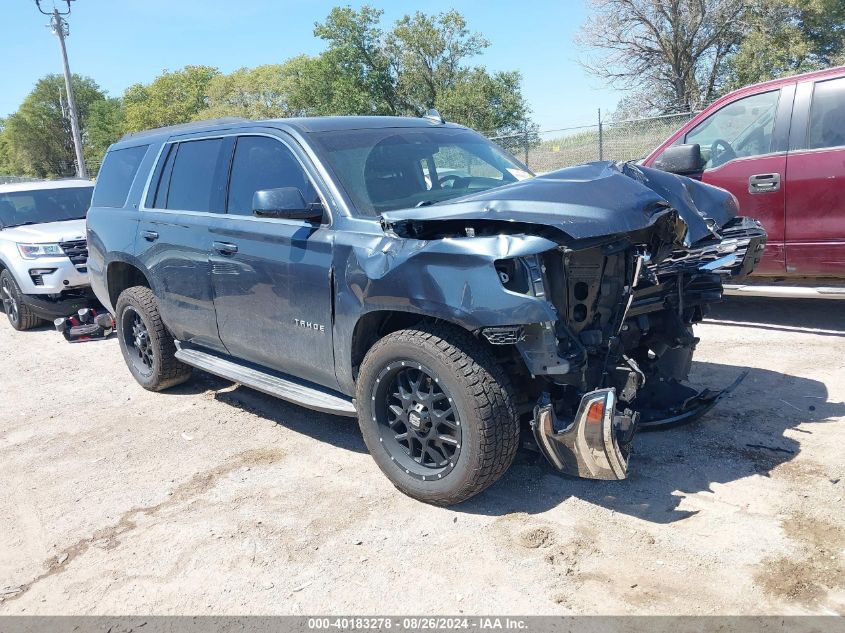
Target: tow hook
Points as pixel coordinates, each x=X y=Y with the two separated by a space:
x=594 y=444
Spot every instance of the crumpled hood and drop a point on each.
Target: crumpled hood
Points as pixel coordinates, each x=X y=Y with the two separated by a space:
x=47 y=233
x=587 y=201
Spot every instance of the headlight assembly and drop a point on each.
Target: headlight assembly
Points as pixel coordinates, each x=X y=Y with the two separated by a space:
x=34 y=251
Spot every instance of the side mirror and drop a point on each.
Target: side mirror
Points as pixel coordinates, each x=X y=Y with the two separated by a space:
x=681 y=159
x=286 y=203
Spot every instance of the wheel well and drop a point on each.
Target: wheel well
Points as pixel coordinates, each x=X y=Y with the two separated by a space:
x=376 y=325
x=121 y=276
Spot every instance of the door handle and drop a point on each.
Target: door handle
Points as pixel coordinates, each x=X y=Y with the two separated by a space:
x=764 y=183
x=225 y=248
x=150 y=236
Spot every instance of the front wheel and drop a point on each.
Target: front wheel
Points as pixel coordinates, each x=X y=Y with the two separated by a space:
x=147 y=346
x=437 y=413
x=19 y=314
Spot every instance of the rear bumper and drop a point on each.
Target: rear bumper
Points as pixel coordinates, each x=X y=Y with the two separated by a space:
x=66 y=304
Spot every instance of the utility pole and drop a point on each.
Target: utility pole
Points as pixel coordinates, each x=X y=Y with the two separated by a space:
x=60 y=28
x=601 y=137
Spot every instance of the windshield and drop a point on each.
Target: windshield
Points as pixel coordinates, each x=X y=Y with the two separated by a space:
x=397 y=168
x=44 y=205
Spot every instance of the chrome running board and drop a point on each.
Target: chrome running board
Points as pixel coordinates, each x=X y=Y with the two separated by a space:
x=785 y=292
x=281 y=386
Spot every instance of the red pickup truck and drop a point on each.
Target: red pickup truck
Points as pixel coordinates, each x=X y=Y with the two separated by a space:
x=779 y=147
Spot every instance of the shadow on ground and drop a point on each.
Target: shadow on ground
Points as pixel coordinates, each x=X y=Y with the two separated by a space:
x=742 y=436
x=789 y=315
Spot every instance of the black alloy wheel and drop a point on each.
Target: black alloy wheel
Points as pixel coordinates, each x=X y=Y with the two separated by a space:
x=137 y=339
x=10 y=303
x=418 y=426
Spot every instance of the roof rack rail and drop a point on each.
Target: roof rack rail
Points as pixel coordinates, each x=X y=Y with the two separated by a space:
x=184 y=127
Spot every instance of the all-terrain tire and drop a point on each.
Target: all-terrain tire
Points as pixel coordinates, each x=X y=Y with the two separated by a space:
x=481 y=394
x=148 y=348
x=20 y=315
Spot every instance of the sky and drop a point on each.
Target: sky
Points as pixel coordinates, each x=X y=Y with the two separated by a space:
x=122 y=42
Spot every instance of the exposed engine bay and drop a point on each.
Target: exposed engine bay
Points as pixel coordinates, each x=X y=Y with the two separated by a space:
x=627 y=290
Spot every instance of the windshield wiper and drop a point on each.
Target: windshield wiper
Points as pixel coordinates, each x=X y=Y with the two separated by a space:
x=31 y=222
x=430 y=201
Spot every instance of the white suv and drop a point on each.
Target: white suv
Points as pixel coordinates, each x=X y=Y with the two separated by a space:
x=43 y=251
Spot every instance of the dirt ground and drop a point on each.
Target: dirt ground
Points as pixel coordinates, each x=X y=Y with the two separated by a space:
x=214 y=499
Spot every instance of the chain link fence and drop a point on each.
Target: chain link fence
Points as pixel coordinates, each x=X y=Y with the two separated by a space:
x=547 y=150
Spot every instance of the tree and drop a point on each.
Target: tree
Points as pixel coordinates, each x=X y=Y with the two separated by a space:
x=299 y=87
x=427 y=53
x=490 y=103
x=172 y=98
x=669 y=53
x=418 y=64
x=106 y=124
x=786 y=37
x=365 y=74
x=37 y=138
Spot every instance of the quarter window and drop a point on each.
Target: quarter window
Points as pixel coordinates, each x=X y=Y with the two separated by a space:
x=261 y=163
x=116 y=176
x=827 y=115
x=197 y=176
x=741 y=129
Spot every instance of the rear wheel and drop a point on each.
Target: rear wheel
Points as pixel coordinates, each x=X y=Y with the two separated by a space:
x=147 y=346
x=19 y=314
x=437 y=413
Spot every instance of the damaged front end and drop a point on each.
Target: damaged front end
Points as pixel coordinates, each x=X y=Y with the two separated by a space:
x=640 y=256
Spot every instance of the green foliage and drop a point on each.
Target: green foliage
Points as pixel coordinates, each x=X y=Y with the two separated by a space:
x=105 y=125
x=37 y=139
x=427 y=52
x=490 y=103
x=254 y=93
x=786 y=37
x=418 y=63
x=172 y=98
x=362 y=79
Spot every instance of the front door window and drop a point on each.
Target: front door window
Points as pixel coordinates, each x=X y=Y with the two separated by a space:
x=741 y=129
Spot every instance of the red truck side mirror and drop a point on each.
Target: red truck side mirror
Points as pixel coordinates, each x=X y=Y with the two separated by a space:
x=681 y=159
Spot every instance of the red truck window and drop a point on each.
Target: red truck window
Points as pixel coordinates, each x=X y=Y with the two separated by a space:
x=741 y=129
x=827 y=115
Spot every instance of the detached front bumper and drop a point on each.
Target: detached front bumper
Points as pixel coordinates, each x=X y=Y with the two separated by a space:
x=594 y=444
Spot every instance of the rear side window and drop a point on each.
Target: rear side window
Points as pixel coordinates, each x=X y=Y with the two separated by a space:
x=260 y=163
x=827 y=115
x=194 y=176
x=116 y=175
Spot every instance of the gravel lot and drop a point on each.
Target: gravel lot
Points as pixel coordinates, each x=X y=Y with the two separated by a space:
x=214 y=499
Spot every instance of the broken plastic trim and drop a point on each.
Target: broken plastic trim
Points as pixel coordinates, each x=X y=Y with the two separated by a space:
x=692 y=409
x=589 y=446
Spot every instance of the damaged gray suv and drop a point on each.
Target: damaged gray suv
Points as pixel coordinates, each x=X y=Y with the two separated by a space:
x=412 y=274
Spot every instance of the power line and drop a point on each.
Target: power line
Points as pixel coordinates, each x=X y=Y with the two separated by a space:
x=61 y=29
